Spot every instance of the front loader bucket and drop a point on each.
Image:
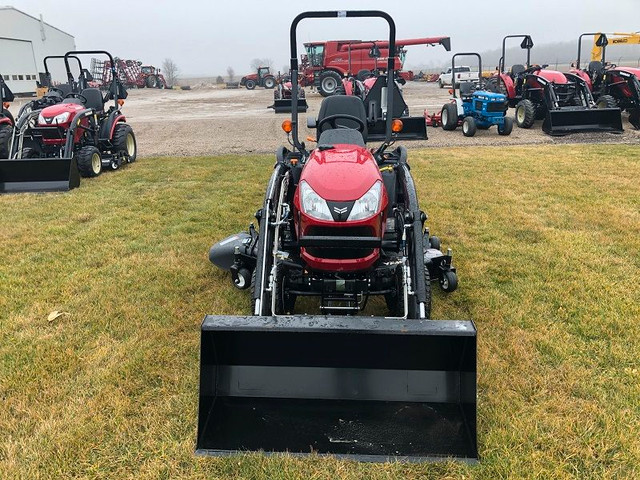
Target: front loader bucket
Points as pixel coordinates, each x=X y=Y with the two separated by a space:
x=413 y=128
x=284 y=105
x=38 y=175
x=570 y=120
x=366 y=388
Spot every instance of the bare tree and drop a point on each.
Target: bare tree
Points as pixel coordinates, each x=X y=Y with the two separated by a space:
x=170 y=71
x=261 y=62
x=231 y=72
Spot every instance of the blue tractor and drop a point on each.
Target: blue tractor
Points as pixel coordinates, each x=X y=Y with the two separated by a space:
x=476 y=108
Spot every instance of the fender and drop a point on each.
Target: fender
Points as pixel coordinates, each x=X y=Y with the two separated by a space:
x=107 y=128
x=583 y=76
x=6 y=120
x=508 y=83
x=6 y=117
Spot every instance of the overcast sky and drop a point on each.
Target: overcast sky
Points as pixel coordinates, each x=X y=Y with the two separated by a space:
x=207 y=36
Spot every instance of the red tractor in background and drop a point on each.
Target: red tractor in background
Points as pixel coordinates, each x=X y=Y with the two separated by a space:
x=563 y=100
x=262 y=78
x=326 y=63
x=611 y=85
x=131 y=73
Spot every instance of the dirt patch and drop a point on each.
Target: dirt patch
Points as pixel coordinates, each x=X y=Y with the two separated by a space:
x=217 y=121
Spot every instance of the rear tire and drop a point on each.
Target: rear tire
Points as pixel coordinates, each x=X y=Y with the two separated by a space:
x=269 y=83
x=507 y=128
x=89 y=161
x=606 y=101
x=469 y=127
x=151 y=81
x=329 y=83
x=6 y=133
x=449 y=116
x=525 y=114
x=124 y=142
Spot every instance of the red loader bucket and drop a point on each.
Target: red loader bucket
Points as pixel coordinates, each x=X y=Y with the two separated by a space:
x=38 y=175
x=366 y=388
x=568 y=120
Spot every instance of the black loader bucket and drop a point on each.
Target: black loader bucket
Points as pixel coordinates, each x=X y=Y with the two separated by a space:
x=38 y=175
x=569 y=120
x=366 y=388
x=413 y=128
x=284 y=105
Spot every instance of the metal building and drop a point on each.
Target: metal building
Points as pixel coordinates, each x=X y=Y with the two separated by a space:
x=24 y=42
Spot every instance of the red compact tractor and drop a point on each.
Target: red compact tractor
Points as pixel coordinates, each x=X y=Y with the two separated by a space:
x=612 y=86
x=563 y=100
x=339 y=226
x=83 y=128
x=262 y=78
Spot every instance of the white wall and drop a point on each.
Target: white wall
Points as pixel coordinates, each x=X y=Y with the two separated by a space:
x=18 y=25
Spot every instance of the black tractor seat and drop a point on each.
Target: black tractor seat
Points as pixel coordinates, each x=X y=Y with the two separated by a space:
x=347 y=131
x=517 y=69
x=334 y=136
x=94 y=99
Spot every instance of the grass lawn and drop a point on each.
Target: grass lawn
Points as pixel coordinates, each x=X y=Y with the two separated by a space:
x=547 y=245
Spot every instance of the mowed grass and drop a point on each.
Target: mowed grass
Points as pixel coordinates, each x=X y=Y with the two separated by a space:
x=547 y=245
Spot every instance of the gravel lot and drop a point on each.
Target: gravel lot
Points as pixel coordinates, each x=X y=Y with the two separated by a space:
x=217 y=121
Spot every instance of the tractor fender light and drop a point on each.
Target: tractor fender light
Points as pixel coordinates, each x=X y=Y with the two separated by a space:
x=120 y=102
x=311 y=139
x=396 y=125
x=6 y=104
x=451 y=91
x=287 y=126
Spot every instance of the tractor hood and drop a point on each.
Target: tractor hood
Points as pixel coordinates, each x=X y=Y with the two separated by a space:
x=60 y=108
x=633 y=71
x=552 y=76
x=342 y=173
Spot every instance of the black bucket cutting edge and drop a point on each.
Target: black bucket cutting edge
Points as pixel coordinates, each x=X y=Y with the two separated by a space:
x=38 y=175
x=566 y=121
x=413 y=128
x=365 y=388
x=285 y=105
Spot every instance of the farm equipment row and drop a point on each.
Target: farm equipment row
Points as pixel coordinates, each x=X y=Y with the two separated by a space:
x=130 y=73
x=70 y=132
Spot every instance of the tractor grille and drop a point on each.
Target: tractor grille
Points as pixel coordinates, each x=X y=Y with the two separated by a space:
x=339 y=253
x=497 y=107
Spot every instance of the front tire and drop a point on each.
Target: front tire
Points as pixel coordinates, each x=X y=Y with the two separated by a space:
x=89 y=161
x=606 y=101
x=329 y=82
x=449 y=116
x=250 y=85
x=507 y=127
x=124 y=142
x=525 y=114
x=469 y=127
x=449 y=281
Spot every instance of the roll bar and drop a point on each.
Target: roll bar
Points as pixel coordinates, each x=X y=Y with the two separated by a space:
x=114 y=73
x=294 y=62
x=603 y=39
x=453 y=68
x=66 y=65
x=526 y=44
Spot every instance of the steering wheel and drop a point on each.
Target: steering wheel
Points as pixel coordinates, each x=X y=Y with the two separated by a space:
x=82 y=98
x=331 y=120
x=56 y=90
x=533 y=68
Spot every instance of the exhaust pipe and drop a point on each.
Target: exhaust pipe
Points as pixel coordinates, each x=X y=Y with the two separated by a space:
x=365 y=388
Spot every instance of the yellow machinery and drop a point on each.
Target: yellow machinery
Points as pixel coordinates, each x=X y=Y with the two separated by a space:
x=602 y=40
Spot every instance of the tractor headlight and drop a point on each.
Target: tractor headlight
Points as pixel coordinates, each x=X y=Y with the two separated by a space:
x=62 y=118
x=41 y=120
x=313 y=204
x=368 y=205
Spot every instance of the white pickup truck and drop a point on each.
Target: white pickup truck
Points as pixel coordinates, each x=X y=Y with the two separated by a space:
x=462 y=74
